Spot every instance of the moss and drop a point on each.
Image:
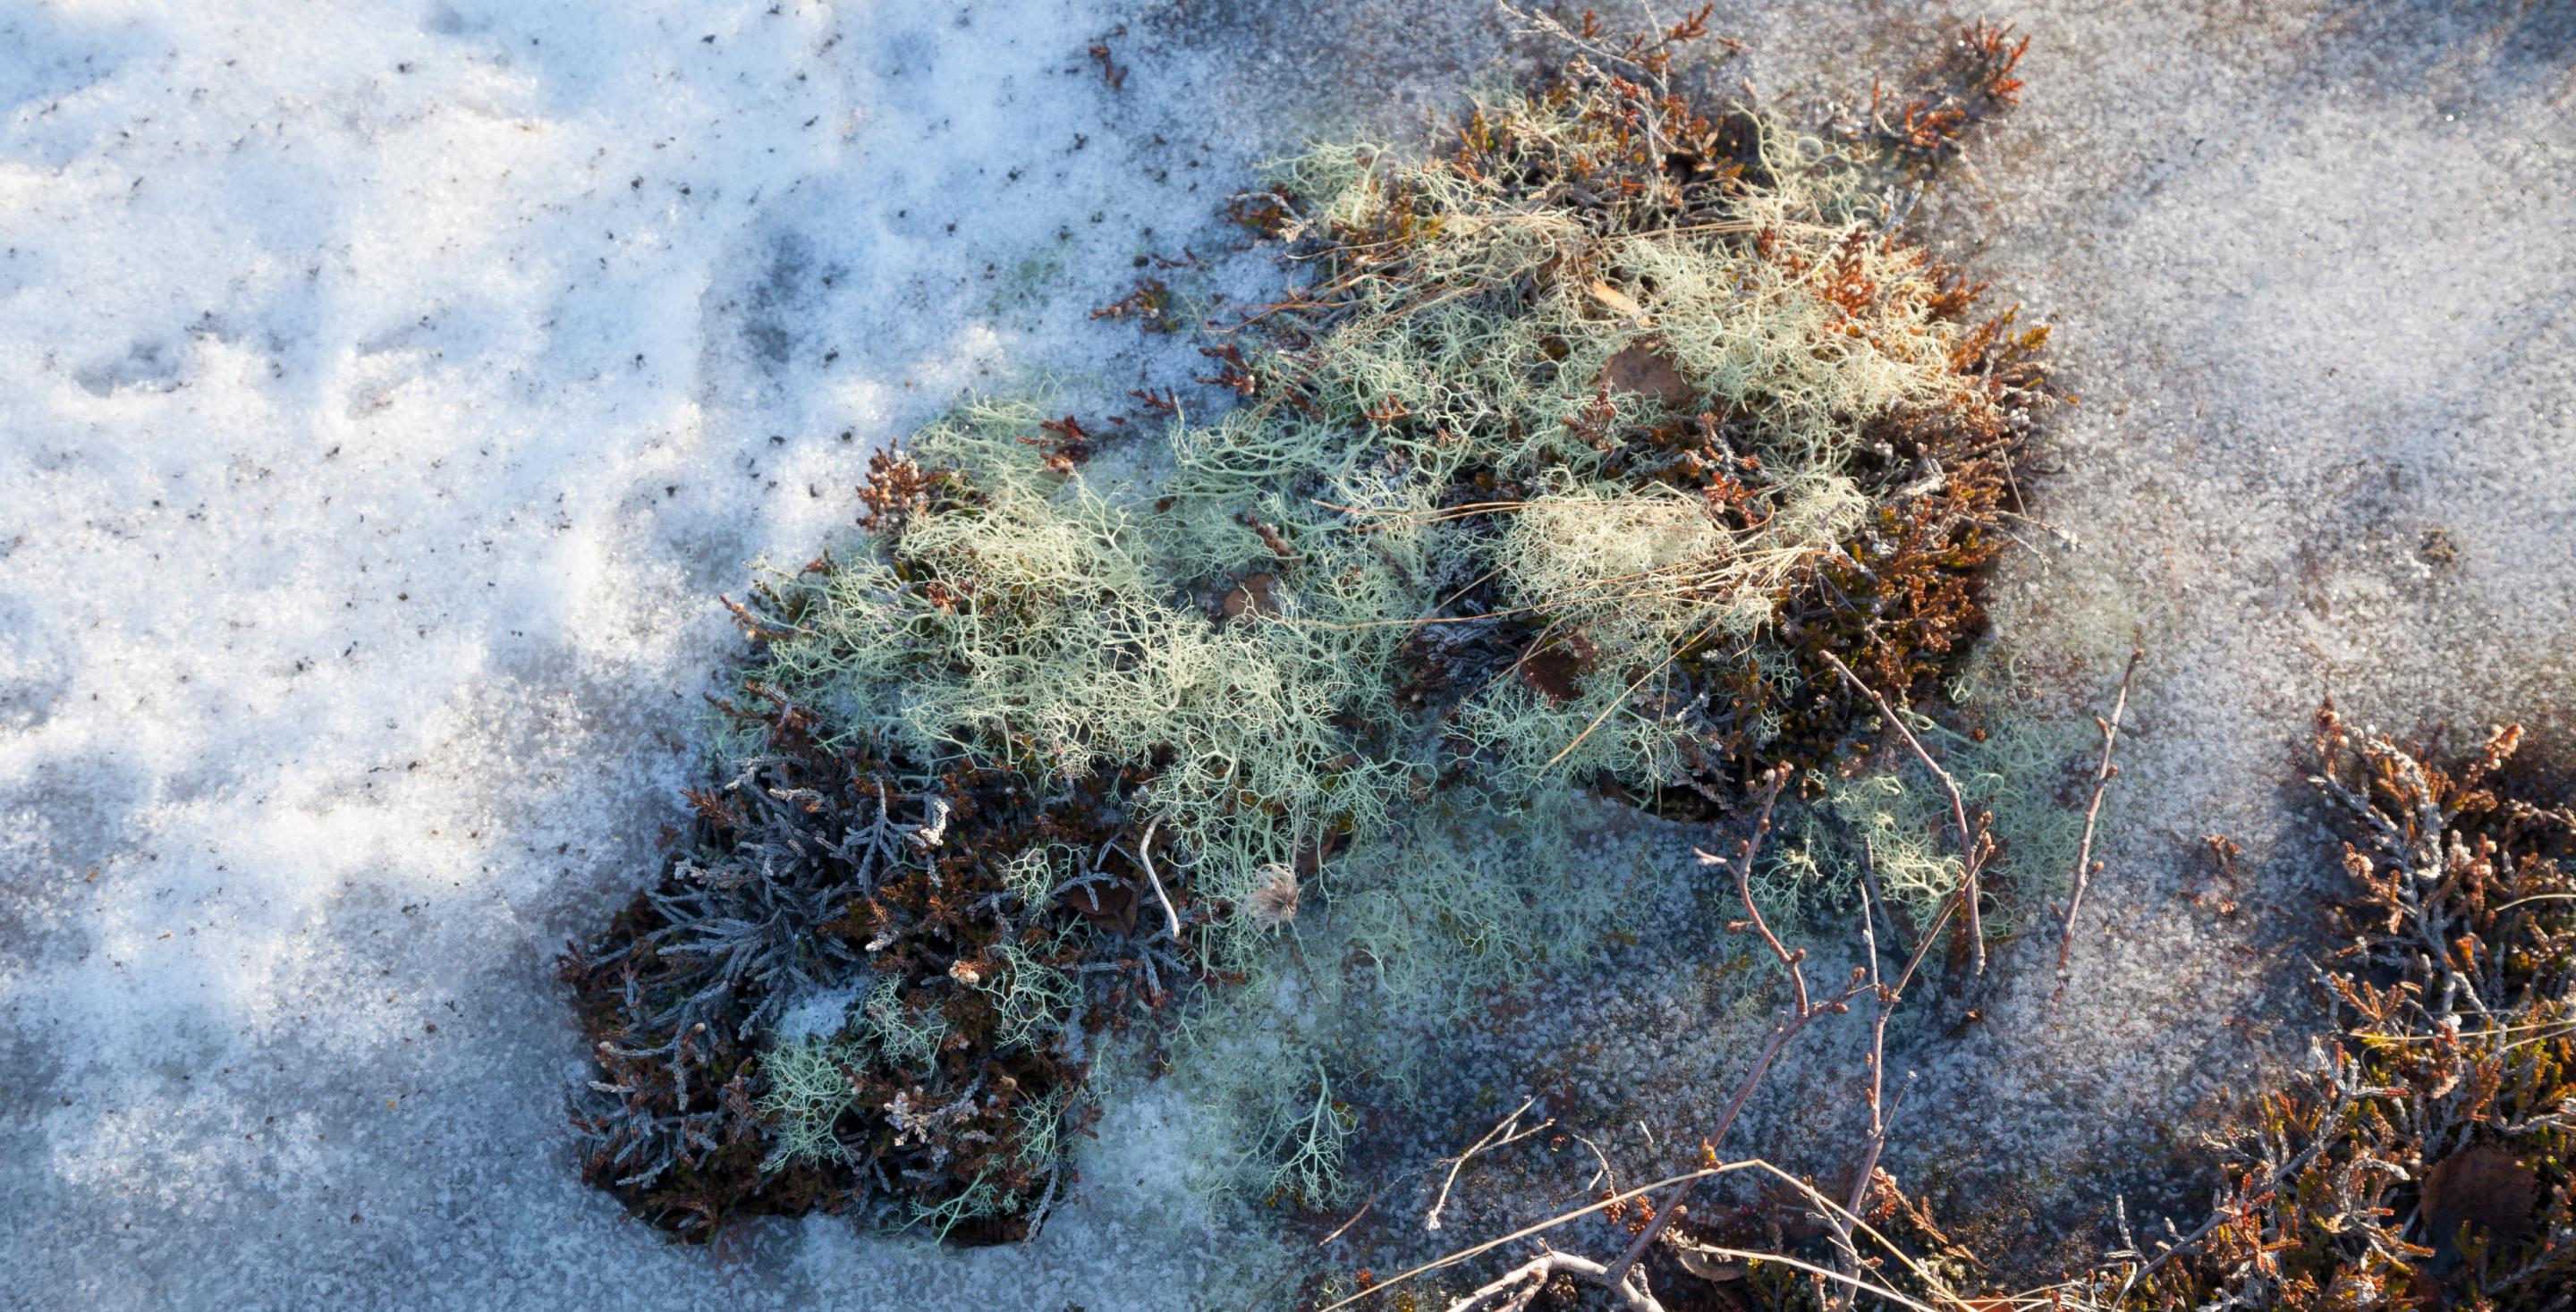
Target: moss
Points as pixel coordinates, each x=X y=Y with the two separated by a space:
x=1729 y=327
x=1441 y=536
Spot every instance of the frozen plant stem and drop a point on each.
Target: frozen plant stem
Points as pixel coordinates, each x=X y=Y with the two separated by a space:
x=2102 y=775
x=1880 y=1112
x=1431 y=1220
x=1510 y=1291
x=1975 y=845
x=1474 y=1301
x=1630 y=1291
x=1802 y=1011
x=1145 y=858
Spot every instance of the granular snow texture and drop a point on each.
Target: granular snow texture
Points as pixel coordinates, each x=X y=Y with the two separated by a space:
x=386 y=392
x=389 y=393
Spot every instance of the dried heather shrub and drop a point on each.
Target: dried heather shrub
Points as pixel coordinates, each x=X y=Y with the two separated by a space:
x=2423 y=1158
x=940 y=1096
x=2424 y=1161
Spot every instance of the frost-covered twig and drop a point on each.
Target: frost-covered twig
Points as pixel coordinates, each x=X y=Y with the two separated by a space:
x=1514 y=1289
x=1431 y=1220
x=1145 y=858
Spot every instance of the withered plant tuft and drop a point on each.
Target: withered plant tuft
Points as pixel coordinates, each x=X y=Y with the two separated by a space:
x=2425 y=1160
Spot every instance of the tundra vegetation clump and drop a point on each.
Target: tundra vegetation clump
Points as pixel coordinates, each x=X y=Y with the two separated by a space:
x=2420 y=1160
x=934 y=1087
x=1578 y=452
x=2424 y=1159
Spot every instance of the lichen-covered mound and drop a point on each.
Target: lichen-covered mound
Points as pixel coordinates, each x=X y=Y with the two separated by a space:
x=1577 y=448
x=1659 y=406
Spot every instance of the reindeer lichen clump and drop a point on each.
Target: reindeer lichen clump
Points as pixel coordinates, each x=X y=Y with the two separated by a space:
x=1582 y=452
x=1686 y=406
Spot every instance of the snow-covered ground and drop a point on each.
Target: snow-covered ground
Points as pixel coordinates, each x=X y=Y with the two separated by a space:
x=387 y=391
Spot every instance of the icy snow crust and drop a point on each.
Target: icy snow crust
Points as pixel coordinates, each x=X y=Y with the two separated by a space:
x=386 y=393
x=389 y=391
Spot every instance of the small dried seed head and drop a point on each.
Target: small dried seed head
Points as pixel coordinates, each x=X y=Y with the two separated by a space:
x=1274 y=900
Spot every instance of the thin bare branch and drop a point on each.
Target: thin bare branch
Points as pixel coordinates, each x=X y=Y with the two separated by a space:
x=1974 y=845
x=1355 y=1219
x=2102 y=776
x=1514 y=1289
x=1803 y=1012
x=1479 y=1250
x=1145 y=858
x=1431 y=1219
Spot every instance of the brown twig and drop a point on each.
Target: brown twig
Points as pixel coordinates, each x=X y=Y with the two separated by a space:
x=1877 y=1140
x=1974 y=844
x=1802 y=1012
x=1881 y=1113
x=2102 y=776
x=1355 y=1219
x=2223 y=1215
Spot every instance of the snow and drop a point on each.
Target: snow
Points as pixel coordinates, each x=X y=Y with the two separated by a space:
x=387 y=391
x=391 y=390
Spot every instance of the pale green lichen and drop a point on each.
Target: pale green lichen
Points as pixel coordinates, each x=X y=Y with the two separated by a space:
x=906 y=1037
x=1248 y=618
x=807 y=1094
x=2013 y=768
x=1033 y=1001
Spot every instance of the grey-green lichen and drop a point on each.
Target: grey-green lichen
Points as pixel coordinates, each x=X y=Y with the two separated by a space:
x=1567 y=459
